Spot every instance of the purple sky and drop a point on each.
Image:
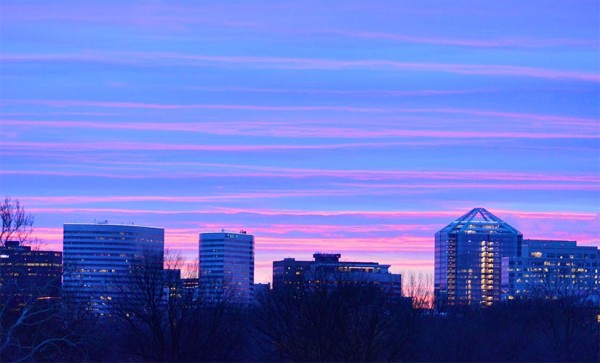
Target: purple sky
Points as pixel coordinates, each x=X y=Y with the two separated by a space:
x=353 y=127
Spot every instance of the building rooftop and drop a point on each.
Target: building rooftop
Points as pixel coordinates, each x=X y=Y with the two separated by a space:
x=479 y=220
x=106 y=224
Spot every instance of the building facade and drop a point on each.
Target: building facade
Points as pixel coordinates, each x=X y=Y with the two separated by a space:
x=326 y=270
x=102 y=262
x=468 y=259
x=226 y=269
x=27 y=274
x=551 y=269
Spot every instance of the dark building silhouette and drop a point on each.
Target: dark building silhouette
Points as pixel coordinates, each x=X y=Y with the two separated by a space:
x=468 y=259
x=328 y=271
x=190 y=287
x=261 y=289
x=190 y=283
x=551 y=269
x=173 y=284
x=27 y=274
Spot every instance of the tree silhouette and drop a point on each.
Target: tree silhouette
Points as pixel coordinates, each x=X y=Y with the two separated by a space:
x=159 y=322
x=17 y=224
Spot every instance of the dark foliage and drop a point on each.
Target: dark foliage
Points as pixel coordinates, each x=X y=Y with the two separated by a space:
x=349 y=324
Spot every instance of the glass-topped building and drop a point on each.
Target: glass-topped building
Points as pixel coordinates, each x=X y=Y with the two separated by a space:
x=468 y=259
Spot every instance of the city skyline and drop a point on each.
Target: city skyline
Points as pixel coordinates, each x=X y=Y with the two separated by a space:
x=189 y=267
x=358 y=129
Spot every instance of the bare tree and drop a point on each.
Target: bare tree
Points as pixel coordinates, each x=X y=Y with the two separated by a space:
x=190 y=269
x=420 y=289
x=16 y=222
x=160 y=322
x=348 y=322
x=41 y=327
x=35 y=323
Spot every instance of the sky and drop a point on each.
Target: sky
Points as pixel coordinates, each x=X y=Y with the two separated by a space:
x=353 y=127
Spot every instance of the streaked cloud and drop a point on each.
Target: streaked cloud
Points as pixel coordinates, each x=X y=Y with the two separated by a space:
x=355 y=128
x=200 y=60
x=521 y=42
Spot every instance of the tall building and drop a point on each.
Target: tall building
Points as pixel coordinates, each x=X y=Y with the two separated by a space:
x=102 y=261
x=551 y=269
x=226 y=269
x=468 y=259
x=328 y=271
x=27 y=274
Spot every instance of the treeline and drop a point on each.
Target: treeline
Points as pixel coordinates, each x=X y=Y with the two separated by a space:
x=349 y=324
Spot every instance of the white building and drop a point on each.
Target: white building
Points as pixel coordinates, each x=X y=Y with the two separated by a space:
x=226 y=268
x=100 y=260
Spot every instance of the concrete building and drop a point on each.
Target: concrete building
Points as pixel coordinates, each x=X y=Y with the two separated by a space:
x=102 y=261
x=27 y=274
x=468 y=259
x=226 y=269
x=328 y=271
x=551 y=269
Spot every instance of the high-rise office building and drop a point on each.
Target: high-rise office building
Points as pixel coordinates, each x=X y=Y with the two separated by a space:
x=328 y=271
x=226 y=269
x=102 y=261
x=27 y=274
x=468 y=259
x=551 y=269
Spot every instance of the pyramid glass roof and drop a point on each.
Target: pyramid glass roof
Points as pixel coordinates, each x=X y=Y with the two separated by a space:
x=479 y=220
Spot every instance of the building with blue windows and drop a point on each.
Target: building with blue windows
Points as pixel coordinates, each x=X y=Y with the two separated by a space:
x=468 y=259
x=551 y=269
x=226 y=267
x=103 y=261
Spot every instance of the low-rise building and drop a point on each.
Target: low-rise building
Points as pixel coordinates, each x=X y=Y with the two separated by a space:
x=328 y=271
x=551 y=269
x=27 y=274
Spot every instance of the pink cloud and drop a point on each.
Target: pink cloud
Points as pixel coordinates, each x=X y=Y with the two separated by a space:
x=372 y=244
x=137 y=58
x=477 y=43
x=521 y=116
x=55 y=200
x=147 y=146
x=382 y=92
x=468 y=176
x=315 y=63
x=466 y=185
x=360 y=213
x=282 y=130
x=549 y=215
